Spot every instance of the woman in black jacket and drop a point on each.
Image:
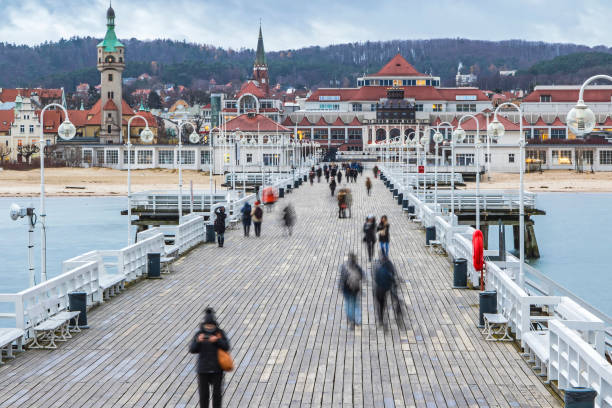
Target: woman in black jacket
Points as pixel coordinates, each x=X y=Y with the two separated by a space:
x=206 y=343
x=369 y=235
x=383 y=234
x=220 y=225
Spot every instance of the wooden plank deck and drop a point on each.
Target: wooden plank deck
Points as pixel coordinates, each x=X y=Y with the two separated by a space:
x=277 y=299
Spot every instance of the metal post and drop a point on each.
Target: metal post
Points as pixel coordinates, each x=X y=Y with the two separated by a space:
x=452 y=180
x=129 y=177
x=436 y=178
x=180 y=171
x=31 y=250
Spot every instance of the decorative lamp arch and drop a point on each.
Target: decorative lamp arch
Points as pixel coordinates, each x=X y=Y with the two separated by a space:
x=239 y=103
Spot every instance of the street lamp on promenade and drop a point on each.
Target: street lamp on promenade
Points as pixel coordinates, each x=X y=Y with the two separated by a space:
x=193 y=138
x=65 y=131
x=146 y=136
x=581 y=119
x=458 y=136
x=477 y=164
x=438 y=138
x=496 y=130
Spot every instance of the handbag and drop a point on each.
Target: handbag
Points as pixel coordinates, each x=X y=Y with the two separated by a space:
x=225 y=360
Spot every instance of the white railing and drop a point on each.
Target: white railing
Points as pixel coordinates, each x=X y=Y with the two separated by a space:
x=574 y=363
x=190 y=233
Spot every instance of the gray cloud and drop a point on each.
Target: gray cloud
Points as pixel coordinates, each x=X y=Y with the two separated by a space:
x=286 y=25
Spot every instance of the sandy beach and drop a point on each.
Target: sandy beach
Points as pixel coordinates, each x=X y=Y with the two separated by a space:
x=96 y=181
x=550 y=180
x=108 y=182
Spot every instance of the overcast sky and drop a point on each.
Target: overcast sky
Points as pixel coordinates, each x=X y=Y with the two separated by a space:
x=295 y=24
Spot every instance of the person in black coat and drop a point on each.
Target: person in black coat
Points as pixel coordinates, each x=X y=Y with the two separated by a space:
x=332 y=186
x=246 y=218
x=351 y=276
x=206 y=343
x=220 y=225
x=369 y=235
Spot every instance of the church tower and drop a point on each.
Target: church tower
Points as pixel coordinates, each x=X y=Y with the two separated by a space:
x=111 y=63
x=260 y=68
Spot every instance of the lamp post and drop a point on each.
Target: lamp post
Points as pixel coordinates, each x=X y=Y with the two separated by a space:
x=477 y=164
x=193 y=138
x=581 y=119
x=496 y=130
x=65 y=131
x=458 y=135
x=438 y=138
x=146 y=136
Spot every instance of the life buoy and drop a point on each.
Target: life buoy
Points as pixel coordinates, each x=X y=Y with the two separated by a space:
x=269 y=195
x=478 y=248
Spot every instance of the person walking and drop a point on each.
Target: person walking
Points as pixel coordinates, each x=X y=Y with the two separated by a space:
x=318 y=174
x=383 y=234
x=326 y=172
x=339 y=175
x=289 y=218
x=311 y=176
x=368 y=184
x=332 y=186
x=219 y=225
x=375 y=171
x=384 y=279
x=206 y=343
x=257 y=215
x=369 y=235
x=351 y=276
x=246 y=218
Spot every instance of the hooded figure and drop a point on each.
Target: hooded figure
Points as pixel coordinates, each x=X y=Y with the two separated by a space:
x=206 y=343
x=219 y=225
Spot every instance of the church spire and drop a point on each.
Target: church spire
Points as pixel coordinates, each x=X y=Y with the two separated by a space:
x=260 y=55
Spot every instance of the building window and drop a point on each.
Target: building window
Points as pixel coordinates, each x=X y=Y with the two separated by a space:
x=249 y=157
x=109 y=129
x=112 y=156
x=31 y=128
x=487 y=157
x=188 y=157
x=320 y=134
x=465 y=159
x=357 y=107
x=511 y=158
x=100 y=156
x=110 y=77
x=165 y=156
x=557 y=133
x=545 y=98
x=586 y=156
x=418 y=107
x=337 y=134
x=21 y=128
x=354 y=134
x=466 y=107
x=532 y=155
x=562 y=156
x=87 y=155
x=605 y=157
x=270 y=159
x=132 y=155
x=437 y=107
x=205 y=157
x=329 y=106
x=145 y=157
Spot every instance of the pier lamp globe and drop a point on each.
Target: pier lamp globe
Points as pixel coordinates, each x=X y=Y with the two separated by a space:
x=424 y=140
x=146 y=136
x=66 y=130
x=438 y=137
x=495 y=130
x=581 y=119
x=459 y=135
x=194 y=137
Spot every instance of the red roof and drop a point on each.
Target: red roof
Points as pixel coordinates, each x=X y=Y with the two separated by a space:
x=525 y=123
x=470 y=124
x=345 y=94
x=398 y=66
x=540 y=122
x=304 y=122
x=557 y=122
x=110 y=105
x=570 y=95
x=338 y=122
x=375 y=93
x=607 y=122
x=6 y=118
x=321 y=122
x=9 y=95
x=253 y=123
x=288 y=122
x=250 y=88
x=355 y=122
x=450 y=94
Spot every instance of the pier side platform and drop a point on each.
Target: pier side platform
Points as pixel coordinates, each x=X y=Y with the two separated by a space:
x=277 y=298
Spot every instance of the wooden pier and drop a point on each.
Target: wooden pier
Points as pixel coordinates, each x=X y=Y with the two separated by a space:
x=277 y=299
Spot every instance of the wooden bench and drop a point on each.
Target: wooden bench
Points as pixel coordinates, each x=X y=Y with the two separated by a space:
x=8 y=338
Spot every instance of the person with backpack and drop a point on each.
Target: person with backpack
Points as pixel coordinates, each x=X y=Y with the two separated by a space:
x=206 y=343
x=219 y=225
x=257 y=215
x=384 y=280
x=246 y=218
x=332 y=186
x=368 y=184
x=369 y=235
x=351 y=276
x=383 y=234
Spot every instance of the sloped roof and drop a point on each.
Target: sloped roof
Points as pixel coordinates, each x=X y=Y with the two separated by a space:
x=249 y=87
x=338 y=122
x=304 y=122
x=470 y=124
x=607 y=122
x=355 y=122
x=557 y=122
x=288 y=122
x=345 y=94
x=110 y=105
x=9 y=94
x=253 y=123
x=540 y=122
x=398 y=66
x=321 y=122
x=6 y=119
x=570 y=94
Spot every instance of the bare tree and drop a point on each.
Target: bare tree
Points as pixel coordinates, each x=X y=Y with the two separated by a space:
x=5 y=151
x=26 y=151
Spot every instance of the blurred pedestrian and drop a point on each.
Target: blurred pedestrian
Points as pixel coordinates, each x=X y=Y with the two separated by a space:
x=339 y=175
x=246 y=218
x=318 y=174
x=289 y=218
x=384 y=278
x=219 y=225
x=383 y=234
x=257 y=215
x=368 y=184
x=332 y=186
x=375 y=171
x=342 y=203
x=311 y=176
x=326 y=172
x=206 y=343
x=351 y=276
x=369 y=235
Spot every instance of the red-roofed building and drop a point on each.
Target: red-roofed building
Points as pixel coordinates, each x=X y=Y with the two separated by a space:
x=38 y=96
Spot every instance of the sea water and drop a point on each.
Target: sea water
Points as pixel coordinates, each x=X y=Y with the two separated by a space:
x=574 y=239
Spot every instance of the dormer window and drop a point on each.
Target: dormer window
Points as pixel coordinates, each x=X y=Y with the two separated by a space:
x=545 y=98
